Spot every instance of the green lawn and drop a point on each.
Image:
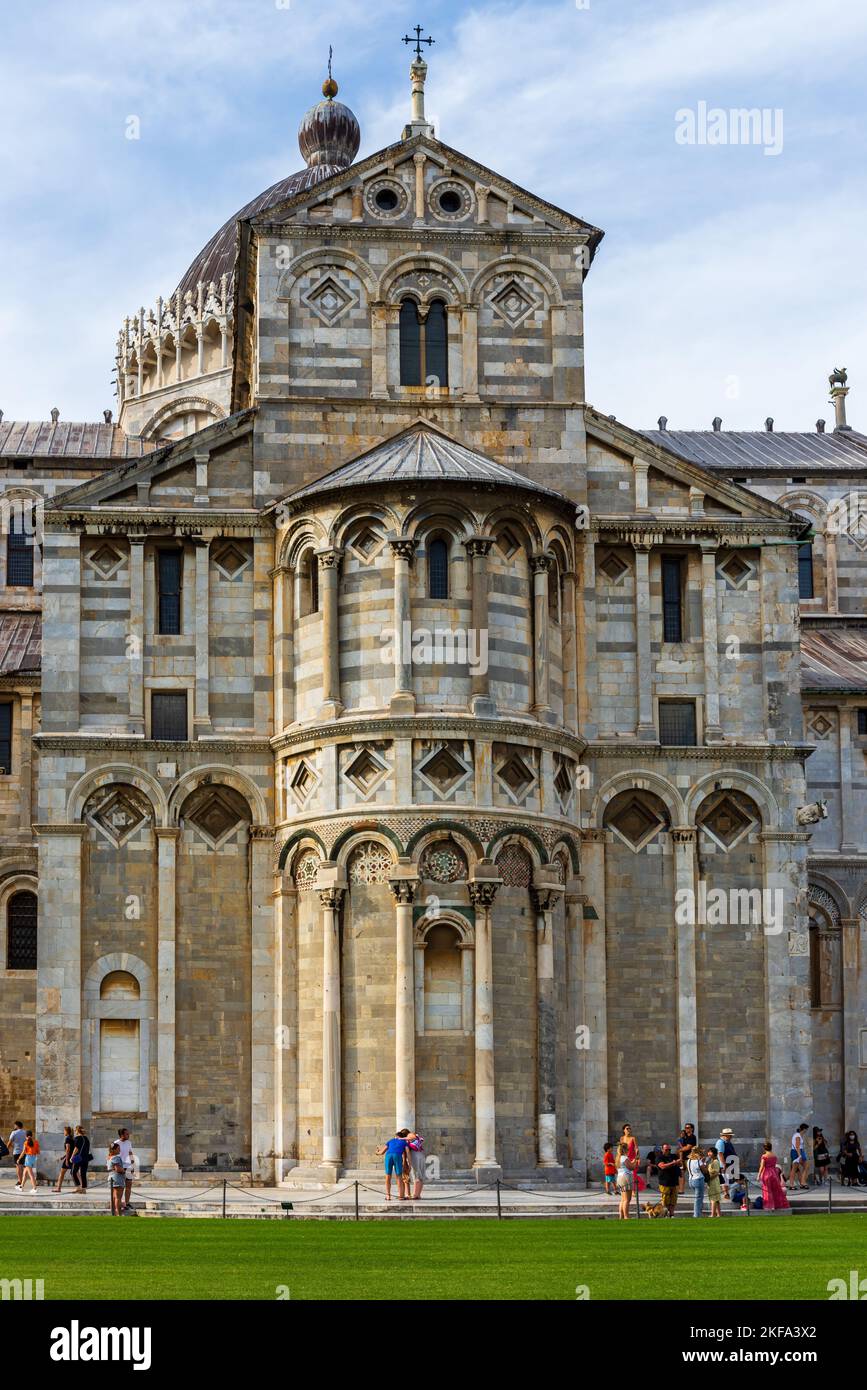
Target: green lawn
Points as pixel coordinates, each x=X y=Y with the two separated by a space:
x=97 y=1257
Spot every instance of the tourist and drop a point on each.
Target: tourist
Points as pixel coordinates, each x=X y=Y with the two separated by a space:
x=696 y=1176
x=16 y=1146
x=609 y=1168
x=728 y=1159
x=625 y=1167
x=81 y=1156
x=821 y=1157
x=126 y=1153
x=31 y=1155
x=66 y=1160
x=850 y=1158
x=798 y=1157
x=773 y=1192
x=651 y=1164
x=669 y=1178
x=713 y=1168
x=685 y=1144
x=393 y=1151
x=415 y=1156
x=116 y=1180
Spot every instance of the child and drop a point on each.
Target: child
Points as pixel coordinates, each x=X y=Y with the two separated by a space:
x=609 y=1168
x=117 y=1179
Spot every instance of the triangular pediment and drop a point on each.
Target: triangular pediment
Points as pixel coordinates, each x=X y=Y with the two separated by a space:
x=509 y=204
x=164 y=478
x=672 y=480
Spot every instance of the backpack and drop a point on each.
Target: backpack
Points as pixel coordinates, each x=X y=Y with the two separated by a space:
x=4 y=1148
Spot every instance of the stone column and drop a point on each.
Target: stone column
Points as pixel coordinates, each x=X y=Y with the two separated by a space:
x=135 y=636
x=329 y=572
x=787 y=985
x=595 y=1000
x=482 y=195
x=848 y=833
x=265 y=988
x=646 y=730
x=25 y=773
x=419 y=162
x=853 y=934
x=166 y=1165
x=470 y=350
x=283 y=622
x=285 y=898
x=403 y=884
x=201 y=704
x=478 y=550
x=61 y=623
x=403 y=699
x=568 y=639
x=831 y=594
x=483 y=885
x=683 y=839
x=58 y=985
x=575 y=1038
x=712 y=730
x=546 y=893
x=467 y=950
x=263 y=651
x=587 y=671
x=378 y=348
x=540 y=565
x=332 y=886
x=640 y=471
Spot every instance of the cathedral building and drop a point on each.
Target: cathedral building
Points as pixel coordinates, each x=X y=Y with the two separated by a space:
x=390 y=738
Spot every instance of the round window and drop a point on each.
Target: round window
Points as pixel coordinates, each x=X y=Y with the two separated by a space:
x=386 y=200
x=450 y=201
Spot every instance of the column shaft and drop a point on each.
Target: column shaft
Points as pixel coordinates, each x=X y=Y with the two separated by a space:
x=403 y=699
x=645 y=729
x=482 y=896
x=712 y=730
x=478 y=549
x=135 y=636
x=201 y=708
x=58 y=985
x=595 y=1001
x=569 y=639
x=683 y=839
x=403 y=888
x=166 y=1165
x=541 y=564
x=329 y=571
x=330 y=899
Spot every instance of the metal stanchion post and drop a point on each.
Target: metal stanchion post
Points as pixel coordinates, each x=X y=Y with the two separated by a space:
x=499 y=1207
x=830 y=1184
x=224 y=1199
x=747 y=1193
x=356 y=1200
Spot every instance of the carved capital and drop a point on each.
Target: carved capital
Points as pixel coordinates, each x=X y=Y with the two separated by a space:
x=479 y=545
x=540 y=564
x=331 y=897
x=483 y=894
x=403 y=548
x=403 y=889
x=683 y=835
x=329 y=559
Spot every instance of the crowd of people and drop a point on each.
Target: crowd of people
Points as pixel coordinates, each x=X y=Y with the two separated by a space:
x=76 y=1159
x=713 y=1171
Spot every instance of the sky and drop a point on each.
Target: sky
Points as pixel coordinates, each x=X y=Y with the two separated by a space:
x=732 y=276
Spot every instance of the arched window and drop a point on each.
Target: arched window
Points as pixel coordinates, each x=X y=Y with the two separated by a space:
x=423 y=345
x=309 y=596
x=826 y=956
x=19 y=551
x=438 y=568
x=805 y=560
x=443 y=992
x=21 y=932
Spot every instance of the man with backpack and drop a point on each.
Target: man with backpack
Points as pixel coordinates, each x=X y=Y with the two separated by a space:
x=728 y=1159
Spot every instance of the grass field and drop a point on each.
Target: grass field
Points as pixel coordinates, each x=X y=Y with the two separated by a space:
x=96 y=1257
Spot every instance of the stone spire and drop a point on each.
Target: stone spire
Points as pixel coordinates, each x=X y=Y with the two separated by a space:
x=418 y=125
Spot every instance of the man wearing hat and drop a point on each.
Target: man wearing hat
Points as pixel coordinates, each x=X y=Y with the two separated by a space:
x=728 y=1159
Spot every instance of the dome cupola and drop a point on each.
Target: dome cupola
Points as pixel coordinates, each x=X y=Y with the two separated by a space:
x=329 y=133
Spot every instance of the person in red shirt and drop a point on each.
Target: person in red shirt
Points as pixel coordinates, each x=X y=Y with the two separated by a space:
x=31 y=1153
x=609 y=1168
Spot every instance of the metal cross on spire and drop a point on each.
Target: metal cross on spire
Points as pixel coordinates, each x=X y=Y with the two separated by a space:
x=418 y=41
x=330 y=53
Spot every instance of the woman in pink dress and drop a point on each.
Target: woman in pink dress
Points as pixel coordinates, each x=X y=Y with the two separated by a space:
x=773 y=1193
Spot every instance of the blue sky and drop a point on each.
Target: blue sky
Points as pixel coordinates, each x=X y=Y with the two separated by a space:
x=729 y=282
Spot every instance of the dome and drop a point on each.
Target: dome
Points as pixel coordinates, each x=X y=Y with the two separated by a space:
x=329 y=136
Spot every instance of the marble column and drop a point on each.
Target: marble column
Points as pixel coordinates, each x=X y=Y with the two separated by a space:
x=25 y=774
x=329 y=573
x=587 y=670
x=478 y=550
x=470 y=351
x=595 y=1019
x=202 y=698
x=283 y=636
x=378 y=348
x=546 y=893
x=787 y=984
x=403 y=698
x=263 y=651
x=265 y=991
x=640 y=470
x=403 y=884
x=568 y=638
x=58 y=985
x=285 y=900
x=332 y=886
x=683 y=839
x=646 y=730
x=712 y=731
x=166 y=1164
x=135 y=636
x=419 y=162
x=483 y=885
x=540 y=566
x=849 y=844
x=61 y=606
x=575 y=899
x=831 y=584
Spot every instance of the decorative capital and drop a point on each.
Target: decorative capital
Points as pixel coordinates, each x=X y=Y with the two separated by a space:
x=483 y=894
x=403 y=889
x=479 y=545
x=540 y=564
x=546 y=897
x=331 y=897
x=329 y=559
x=683 y=835
x=403 y=548
x=261 y=832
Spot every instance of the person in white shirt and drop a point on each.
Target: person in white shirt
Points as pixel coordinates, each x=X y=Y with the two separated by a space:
x=126 y=1153
x=798 y=1155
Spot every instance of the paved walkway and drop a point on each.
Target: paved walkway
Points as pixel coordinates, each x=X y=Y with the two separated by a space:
x=440 y=1199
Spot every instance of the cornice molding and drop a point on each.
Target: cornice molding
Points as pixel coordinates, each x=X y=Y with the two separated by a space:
x=106 y=522
x=327 y=232
x=732 y=532
x=81 y=743
x=723 y=753
x=420 y=724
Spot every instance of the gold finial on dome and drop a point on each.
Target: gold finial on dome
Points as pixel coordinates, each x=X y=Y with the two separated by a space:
x=329 y=86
